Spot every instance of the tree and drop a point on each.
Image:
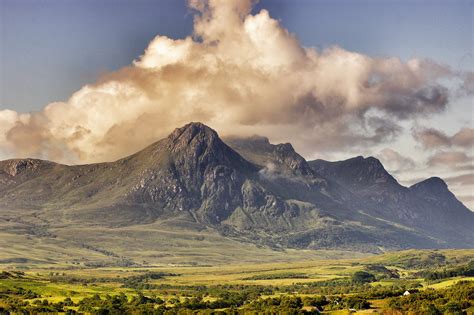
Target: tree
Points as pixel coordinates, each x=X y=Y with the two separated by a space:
x=362 y=277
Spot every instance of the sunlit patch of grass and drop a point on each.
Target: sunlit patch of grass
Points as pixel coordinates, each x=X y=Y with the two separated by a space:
x=448 y=282
x=55 y=284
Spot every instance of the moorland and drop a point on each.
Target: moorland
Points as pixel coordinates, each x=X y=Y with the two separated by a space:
x=402 y=282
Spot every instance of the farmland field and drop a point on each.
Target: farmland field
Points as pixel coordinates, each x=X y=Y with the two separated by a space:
x=438 y=281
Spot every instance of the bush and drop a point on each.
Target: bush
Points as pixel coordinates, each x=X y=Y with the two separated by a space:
x=361 y=277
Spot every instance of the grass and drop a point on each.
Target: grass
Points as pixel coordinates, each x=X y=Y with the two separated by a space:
x=49 y=281
x=276 y=273
x=449 y=282
x=153 y=244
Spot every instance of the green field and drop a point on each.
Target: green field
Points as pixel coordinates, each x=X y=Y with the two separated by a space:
x=438 y=281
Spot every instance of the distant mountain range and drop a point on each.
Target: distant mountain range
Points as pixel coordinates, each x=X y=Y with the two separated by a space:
x=244 y=189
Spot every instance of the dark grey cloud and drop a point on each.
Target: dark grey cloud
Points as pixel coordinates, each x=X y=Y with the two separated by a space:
x=434 y=138
x=427 y=100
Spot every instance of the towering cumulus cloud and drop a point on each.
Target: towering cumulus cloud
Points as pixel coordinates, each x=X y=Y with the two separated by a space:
x=239 y=73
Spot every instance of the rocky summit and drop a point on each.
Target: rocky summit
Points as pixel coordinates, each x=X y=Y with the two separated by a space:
x=239 y=190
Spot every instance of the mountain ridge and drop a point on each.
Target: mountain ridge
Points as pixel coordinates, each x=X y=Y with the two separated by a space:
x=247 y=190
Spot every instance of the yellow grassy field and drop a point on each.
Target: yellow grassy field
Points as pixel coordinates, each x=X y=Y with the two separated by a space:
x=104 y=281
x=448 y=282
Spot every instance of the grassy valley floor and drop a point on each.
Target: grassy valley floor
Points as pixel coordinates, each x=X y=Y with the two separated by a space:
x=433 y=281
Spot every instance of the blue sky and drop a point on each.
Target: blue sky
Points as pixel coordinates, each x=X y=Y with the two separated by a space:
x=50 y=48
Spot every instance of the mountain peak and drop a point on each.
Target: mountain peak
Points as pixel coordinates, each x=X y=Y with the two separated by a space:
x=194 y=137
x=355 y=173
x=192 y=130
x=435 y=181
x=196 y=126
x=370 y=160
x=432 y=184
x=15 y=167
x=285 y=147
x=371 y=164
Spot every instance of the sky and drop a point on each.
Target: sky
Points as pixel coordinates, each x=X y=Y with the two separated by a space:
x=92 y=80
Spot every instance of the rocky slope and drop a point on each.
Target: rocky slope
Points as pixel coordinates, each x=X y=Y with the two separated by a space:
x=427 y=206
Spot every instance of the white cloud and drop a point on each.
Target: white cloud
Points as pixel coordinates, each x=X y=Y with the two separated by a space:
x=241 y=74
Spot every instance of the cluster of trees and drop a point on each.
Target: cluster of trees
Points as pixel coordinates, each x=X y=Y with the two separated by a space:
x=349 y=302
x=227 y=303
x=360 y=282
x=467 y=271
x=285 y=304
x=119 y=304
x=382 y=272
x=141 y=282
x=361 y=277
x=233 y=302
x=12 y=274
x=18 y=305
x=457 y=299
x=421 y=261
x=19 y=292
x=285 y=275
x=240 y=299
x=225 y=299
x=313 y=304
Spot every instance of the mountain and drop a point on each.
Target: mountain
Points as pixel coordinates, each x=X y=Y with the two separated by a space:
x=427 y=206
x=195 y=195
x=357 y=174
